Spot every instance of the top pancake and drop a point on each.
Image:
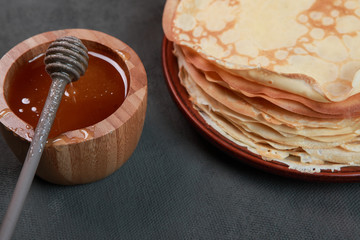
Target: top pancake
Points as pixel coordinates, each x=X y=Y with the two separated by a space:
x=311 y=44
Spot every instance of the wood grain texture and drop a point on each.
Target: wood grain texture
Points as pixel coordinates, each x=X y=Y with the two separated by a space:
x=88 y=154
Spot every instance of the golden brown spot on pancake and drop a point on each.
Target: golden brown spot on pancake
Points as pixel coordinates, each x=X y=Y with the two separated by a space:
x=350 y=4
x=299 y=50
x=281 y=54
x=237 y=33
x=186 y=22
x=317 y=33
x=331 y=49
x=316 y=15
x=217 y=15
x=357 y=12
x=310 y=47
x=184 y=36
x=334 y=13
x=303 y=18
x=327 y=21
x=347 y=24
x=353 y=44
x=247 y=48
x=303 y=39
x=261 y=60
x=337 y=2
x=349 y=69
x=198 y=31
x=339 y=87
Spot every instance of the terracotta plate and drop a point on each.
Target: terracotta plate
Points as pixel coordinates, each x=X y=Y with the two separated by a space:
x=180 y=96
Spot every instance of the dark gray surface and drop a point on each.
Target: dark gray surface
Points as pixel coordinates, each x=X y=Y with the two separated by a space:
x=176 y=185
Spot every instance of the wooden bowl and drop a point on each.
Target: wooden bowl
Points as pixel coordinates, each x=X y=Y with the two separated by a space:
x=88 y=154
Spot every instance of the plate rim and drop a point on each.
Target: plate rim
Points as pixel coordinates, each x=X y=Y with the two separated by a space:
x=170 y=70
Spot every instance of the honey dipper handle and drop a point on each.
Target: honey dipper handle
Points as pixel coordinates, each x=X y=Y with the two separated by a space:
x=32 y=158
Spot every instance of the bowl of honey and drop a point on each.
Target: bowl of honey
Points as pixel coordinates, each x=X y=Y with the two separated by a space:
x=100 y=118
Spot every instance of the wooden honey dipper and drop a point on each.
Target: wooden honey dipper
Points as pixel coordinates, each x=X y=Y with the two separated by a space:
x=66 y=60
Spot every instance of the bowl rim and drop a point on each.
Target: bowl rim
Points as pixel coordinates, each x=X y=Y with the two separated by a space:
x=137 y=81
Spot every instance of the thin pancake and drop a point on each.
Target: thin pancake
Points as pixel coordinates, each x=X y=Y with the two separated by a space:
x=253 y=106
x=305 y=46
x=347 y=108
x=274 y=150
x=316 y=133
x=267 y=132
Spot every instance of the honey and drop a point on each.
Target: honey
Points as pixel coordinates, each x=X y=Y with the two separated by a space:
x=91 y=99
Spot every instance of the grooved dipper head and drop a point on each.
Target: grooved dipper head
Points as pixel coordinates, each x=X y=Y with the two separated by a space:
x=67 y=59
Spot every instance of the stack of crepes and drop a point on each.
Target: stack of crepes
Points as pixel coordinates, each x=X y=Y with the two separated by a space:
x=281 y=77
